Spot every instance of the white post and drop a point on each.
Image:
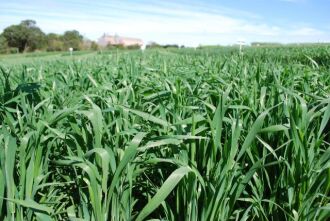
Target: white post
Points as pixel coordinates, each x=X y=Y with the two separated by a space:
x=71 y=50
x=241 y=43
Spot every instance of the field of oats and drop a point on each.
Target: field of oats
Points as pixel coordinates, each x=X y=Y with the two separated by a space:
x=182 y=135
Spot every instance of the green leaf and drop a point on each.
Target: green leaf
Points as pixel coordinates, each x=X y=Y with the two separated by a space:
x=95 y=117
x=167 y=187
x=274 y=128
x=253 y=131
x=10 y=159
x=105 y=164
x=189 y=120
x=127 y=158
x=28 y=203
x=149 y=117
x=325 y=120
x=160 y=143
x=2 y=188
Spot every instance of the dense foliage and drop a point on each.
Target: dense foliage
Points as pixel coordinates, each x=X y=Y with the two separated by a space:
x=27 y=36
x=24 y=36
x=177 y=134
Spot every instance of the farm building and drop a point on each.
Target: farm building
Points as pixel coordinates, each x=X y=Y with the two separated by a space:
x=118 y=40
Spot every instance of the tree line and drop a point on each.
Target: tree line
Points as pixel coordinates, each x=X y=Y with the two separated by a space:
x=27 y=36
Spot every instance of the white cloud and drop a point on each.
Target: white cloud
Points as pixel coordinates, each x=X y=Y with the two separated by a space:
x=165 y=23
x=306 y=31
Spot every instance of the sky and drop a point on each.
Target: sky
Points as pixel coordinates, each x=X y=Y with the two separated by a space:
x=183 y=22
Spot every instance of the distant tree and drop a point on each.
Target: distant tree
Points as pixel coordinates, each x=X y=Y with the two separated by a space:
x=153 y=45
x=89 y=45
x=115 y=46
x=25 y=36
x=266 y=44
x=3 y=44
x=72 y=39
x=94 y=46
x=134 y=47
x=29 y=23
x=170 y=46
x=54 y=42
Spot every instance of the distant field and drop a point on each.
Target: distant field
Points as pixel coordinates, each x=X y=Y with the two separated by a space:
x=178 y=134
x=9 y=59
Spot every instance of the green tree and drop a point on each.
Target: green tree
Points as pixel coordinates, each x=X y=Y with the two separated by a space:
x=54 y=42
x=94 y=46
x=3 y=44
x=72 y=39
x=25 y=36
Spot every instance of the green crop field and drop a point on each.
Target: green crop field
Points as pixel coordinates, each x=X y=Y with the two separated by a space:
x=177 y=134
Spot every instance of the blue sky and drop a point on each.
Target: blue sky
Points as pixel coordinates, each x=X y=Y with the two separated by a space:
x=188 y=22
